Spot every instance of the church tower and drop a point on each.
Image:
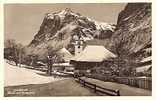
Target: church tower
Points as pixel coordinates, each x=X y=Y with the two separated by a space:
x=78 y=43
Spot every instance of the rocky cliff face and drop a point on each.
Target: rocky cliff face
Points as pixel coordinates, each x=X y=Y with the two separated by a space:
x=58 y=28
x=134 y=28
x=132 y=38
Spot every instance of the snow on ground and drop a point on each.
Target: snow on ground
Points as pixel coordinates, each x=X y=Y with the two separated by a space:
x=14 y=75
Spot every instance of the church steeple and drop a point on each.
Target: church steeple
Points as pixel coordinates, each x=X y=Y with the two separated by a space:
x=78 y=43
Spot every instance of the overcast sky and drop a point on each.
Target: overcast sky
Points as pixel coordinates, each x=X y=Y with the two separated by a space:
x=22 y=21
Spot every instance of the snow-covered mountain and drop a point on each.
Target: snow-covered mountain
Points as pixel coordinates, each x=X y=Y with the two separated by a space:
x=58 y=28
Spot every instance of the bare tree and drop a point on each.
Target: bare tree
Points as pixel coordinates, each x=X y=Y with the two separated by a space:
x=13 y=51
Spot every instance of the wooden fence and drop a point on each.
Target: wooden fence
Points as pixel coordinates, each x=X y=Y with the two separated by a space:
x=98 y=89
x=144 y=83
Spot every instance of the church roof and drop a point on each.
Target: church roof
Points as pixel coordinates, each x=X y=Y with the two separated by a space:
x=94 y=53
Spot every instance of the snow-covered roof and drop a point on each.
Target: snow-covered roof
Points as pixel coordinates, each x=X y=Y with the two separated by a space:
x=39 y=62
x=62 y=64
x=65 y=54
x=146 y=59
x=94 y=53
x=143 y=68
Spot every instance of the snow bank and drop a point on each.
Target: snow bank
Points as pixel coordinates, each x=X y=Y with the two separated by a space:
x=22 y=76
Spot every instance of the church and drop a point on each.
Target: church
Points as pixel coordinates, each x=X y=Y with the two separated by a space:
x=89 y=56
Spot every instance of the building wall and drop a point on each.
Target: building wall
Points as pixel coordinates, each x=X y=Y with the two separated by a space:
x=78 y=49
x=85 y=65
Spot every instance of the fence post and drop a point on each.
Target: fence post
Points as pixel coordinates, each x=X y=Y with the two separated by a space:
x=79 y=80
x=95 y=88
x=84 y=83
x=118 y=92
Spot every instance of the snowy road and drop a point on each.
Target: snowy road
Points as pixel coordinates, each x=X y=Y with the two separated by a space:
x=14 y=75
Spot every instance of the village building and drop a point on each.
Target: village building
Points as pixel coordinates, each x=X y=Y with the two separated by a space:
x=91 y=56
x=65 y=55
x=63 y=66
x=145 y=67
